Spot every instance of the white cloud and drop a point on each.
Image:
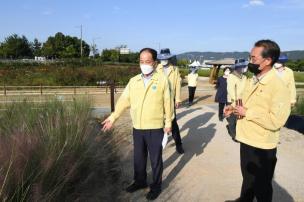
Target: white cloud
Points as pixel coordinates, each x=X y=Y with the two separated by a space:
x=254 y=3
x=87 y=16
x=116 y=8
x=47 y=12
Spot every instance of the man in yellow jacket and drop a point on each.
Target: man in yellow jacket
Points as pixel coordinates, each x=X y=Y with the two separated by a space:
x=266 y=107
x=286 y=74
x=172 y=73
x=236 y=82
x=149 y=99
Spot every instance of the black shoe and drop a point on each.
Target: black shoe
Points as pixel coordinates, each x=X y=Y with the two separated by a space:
x=236 y=200
x=134 y=187
x=153 y=194
x=179 y=149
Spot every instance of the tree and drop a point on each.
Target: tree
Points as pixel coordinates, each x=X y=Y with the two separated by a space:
x=64 y=46
x=16 y=47
x=110 y=55
x=297 y=65
x=182 y=63
x=36 y=47
x=1 y=51
x=129 y=58
x=94 y=51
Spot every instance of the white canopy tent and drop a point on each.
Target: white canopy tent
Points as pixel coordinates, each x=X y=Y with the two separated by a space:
x=195 y=64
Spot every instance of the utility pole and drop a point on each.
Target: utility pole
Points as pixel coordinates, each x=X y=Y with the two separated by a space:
x=81 y=51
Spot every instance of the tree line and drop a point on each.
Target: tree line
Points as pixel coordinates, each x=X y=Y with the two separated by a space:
x=59 y=46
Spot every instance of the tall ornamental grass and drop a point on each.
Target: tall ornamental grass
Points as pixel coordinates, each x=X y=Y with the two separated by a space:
x=49 y=152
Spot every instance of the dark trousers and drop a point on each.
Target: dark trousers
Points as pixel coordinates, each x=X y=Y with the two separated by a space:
x=232 y=119
x=221 y=110
x=257 y=167
x=175 y=130
x=191 y=93
x=148 y=141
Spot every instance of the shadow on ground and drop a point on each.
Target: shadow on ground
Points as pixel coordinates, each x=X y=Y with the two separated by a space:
x=194 y=142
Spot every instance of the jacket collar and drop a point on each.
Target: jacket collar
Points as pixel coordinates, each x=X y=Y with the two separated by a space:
x=154 y=76
x=160 y=68
x=266 y=78
x=240 y=76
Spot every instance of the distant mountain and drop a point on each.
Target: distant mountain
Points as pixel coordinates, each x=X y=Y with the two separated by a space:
x=292 y=55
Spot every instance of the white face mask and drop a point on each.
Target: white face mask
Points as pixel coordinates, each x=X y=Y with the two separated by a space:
x=277 y=65
x=164 y=62
x=227 y=73
x=245 y=69
x=146 y=69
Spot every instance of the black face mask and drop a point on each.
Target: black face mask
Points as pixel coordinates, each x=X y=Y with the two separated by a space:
x=254 y=68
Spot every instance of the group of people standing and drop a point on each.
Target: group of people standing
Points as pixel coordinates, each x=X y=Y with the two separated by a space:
x=154 y=95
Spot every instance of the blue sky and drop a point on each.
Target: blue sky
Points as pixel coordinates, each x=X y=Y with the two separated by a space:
x=191 y=25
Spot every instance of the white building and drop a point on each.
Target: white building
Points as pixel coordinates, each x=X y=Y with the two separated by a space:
x=124 y=51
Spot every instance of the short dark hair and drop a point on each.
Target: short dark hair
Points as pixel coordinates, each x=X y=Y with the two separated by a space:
x=271 y=49
x=226 y=69
x=151 y=51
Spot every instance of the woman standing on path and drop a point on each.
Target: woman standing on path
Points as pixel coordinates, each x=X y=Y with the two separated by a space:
x=221 y=93
x=192 y=82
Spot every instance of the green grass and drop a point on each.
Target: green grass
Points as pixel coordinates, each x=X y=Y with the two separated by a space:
x=299 y=108
x=48 y=153
x=299 y=76
x=204 y=73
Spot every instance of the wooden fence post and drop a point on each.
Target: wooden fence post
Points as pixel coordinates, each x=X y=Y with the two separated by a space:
x=112 y=87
